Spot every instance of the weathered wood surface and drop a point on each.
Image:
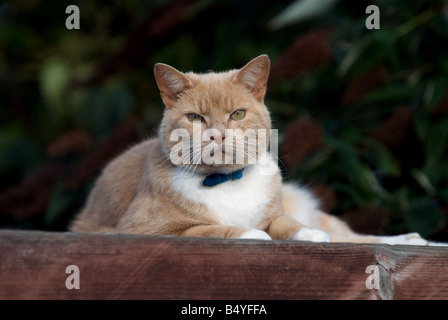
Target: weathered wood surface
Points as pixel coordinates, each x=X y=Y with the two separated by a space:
x=33 y=265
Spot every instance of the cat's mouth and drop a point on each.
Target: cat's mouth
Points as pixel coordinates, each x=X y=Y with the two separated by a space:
x=225 y=169
x=221 y=156
x=229 y=155
x=217 y=160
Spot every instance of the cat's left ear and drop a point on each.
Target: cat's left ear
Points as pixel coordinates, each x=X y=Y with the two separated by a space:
x=254 y=76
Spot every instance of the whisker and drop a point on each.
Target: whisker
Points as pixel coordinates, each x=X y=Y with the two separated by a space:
x=195 y=156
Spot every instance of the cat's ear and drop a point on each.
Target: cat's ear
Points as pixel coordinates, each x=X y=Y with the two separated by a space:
x=254 y=76
x=171 y=83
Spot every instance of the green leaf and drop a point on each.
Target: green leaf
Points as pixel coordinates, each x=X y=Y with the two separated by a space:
x=352 y=198
x=14 y=147
x=390 y=93
x=106 y=106
x=444 y=194
x=423 y=216
x=53 y=80
x=423 y=181
x=381 y=157
x=436 y=172
x=436 y=141
x=354 y=169
x=434 y=92
x=301 y=10
x=380 y=47
x=59 y=202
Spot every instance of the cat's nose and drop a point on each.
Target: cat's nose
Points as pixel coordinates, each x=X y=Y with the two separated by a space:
x=216 y=136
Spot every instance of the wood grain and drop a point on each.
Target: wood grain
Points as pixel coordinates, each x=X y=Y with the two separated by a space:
x=33 y=265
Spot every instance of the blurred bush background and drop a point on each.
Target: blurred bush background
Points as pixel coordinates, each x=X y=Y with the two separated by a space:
x=362 y=114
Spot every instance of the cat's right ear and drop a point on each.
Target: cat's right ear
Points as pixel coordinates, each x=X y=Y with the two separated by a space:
x=254 y=76
x=171 y=83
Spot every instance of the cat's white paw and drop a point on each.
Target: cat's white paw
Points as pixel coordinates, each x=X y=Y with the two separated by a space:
x=255 y=234
x=313 y=235
x=409 y=239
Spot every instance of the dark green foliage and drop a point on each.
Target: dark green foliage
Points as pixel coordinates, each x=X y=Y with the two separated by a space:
x=377 y=98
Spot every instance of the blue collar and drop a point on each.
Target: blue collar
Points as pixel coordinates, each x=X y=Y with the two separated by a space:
x=217 y=178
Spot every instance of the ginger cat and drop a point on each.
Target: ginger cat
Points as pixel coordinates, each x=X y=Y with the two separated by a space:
x=150 y=189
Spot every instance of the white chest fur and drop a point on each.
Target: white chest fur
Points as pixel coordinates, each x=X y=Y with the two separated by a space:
x=239 y=203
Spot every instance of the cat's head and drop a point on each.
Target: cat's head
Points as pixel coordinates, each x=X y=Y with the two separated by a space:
x=210 y=119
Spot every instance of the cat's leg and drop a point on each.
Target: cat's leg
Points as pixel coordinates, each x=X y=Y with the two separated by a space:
x=286 y=227
x=139 y=220
x=300 y=204
x=138 y=223
x=85 y=222
x=403 y=239
x=339 y=231
x=221 y=231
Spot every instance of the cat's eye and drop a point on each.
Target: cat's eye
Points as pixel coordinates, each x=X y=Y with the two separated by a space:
x=238 y=115
x=195 y=117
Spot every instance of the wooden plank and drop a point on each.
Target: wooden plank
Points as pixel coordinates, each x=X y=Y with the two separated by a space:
x=33 y=266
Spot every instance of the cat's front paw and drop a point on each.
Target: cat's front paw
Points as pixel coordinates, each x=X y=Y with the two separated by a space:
x=409 y=239
x=312 y=235
x=255 y=234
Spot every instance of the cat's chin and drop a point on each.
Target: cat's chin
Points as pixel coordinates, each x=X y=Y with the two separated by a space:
x=205 y=169
x=228 y=168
